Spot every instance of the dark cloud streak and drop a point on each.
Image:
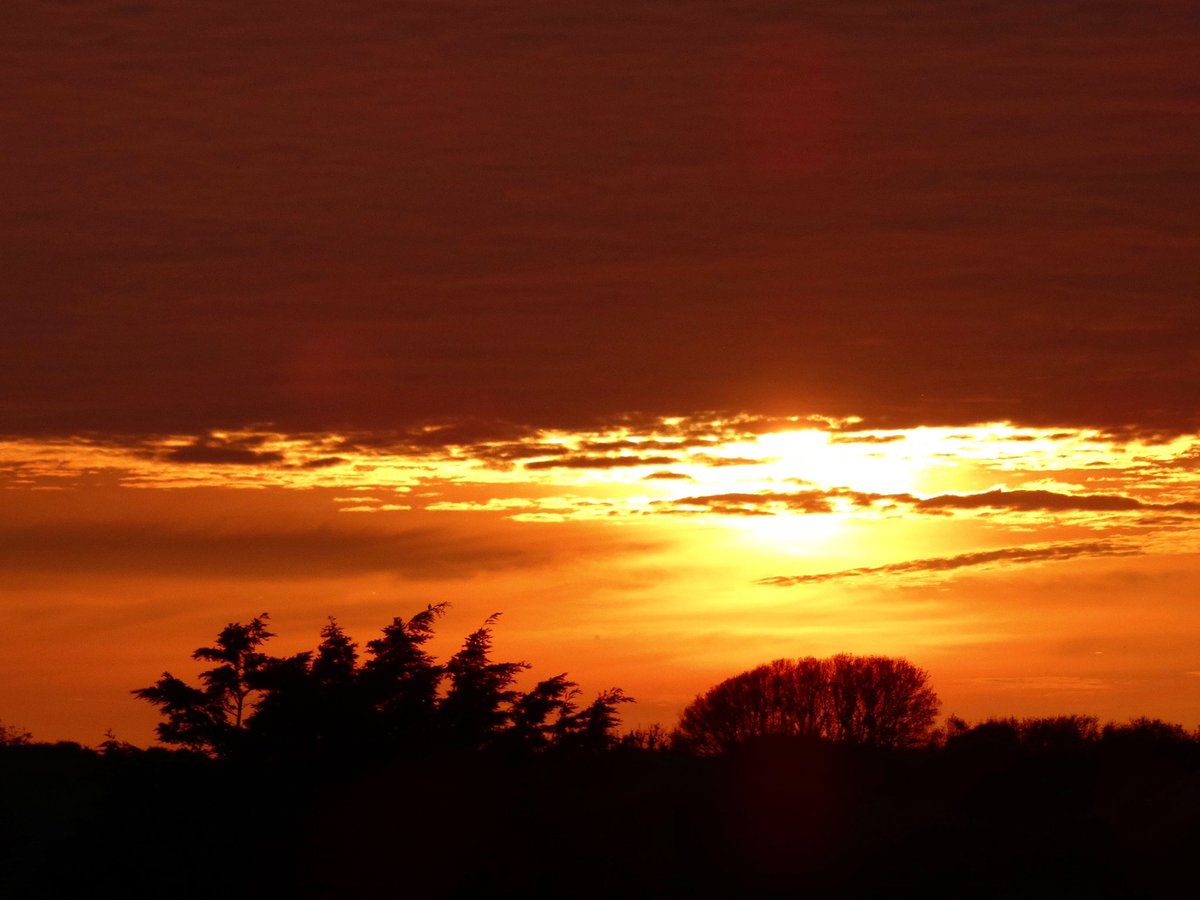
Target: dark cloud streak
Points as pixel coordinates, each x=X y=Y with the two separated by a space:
x=601 y=462
x=1044 y=501
x=1006 y=556
x=300 y=553
x=222 y=455
x=813 y=501
x=754 y=503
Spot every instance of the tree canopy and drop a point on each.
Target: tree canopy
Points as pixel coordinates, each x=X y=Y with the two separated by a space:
x=213 y=716
x=873 y=701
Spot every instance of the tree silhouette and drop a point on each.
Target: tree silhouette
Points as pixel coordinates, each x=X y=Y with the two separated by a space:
x=879 y=701
x=1046 y=735
x=311 y=703
x=336 y=660
x=872 y=701
x=786 y=697
x=324 y=704
x=1059 y=734
x=478 y=704
x=1146 y=734
x=593 y=728
x=212 y=718
x=285 y=720
x=540 y=717
x=401 y=678
x=11 y=736
x=341 y=711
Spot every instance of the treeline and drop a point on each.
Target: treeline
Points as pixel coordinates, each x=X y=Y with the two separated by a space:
x=330 y=774
x=1044 y=808
x=397 y=699
x=1065 y=735
x=882 y=703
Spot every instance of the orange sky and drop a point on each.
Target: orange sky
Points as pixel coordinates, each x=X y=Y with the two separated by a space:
x=1030 y=570
x=688 y=335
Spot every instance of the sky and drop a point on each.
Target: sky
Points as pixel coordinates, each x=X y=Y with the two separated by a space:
x=687 y=335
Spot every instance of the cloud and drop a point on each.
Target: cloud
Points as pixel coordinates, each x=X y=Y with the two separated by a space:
x=716 y=462
x=649 y=444
x=1030 y=500
x=1004 y=556
x=601 y=462
x=239 y=450
x=646 y=252
x=459 y=431
x=323 y=463
x=854 y=438
x=1044 y=501
x=753 y=503
x=822 y=501
x=215 y=454
x=1042 y=684
x=123 y=548
x=1016 y=501
x=508 y=453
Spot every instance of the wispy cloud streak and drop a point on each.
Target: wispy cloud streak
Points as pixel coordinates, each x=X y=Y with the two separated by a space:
x=1003 y=556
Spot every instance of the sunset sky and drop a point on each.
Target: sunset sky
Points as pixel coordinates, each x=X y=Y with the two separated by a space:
x=688 y=335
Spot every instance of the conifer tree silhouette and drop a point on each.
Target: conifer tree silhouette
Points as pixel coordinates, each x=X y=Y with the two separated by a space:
x=324 y=704
x=477 y=705
x=336 y=659
x=401 y=679
x=541 y=716
x=593 y=728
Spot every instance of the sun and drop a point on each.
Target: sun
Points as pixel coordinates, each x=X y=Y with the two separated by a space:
x=889 y=464
x=790 y=533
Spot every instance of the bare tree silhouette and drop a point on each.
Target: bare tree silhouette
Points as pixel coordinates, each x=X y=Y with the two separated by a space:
x=879 y=701
x=873 y=701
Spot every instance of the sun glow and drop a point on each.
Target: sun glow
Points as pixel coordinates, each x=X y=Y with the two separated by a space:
x=820 y=458
x=791 y=534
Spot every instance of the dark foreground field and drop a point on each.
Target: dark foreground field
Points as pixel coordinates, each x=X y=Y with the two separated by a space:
x=778 y=819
